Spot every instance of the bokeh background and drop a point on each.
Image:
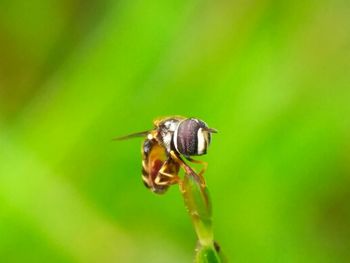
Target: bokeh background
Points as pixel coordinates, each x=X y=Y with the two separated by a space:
x=272 y=76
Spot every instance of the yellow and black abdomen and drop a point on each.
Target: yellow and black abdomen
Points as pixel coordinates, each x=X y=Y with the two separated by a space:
x=154 y=159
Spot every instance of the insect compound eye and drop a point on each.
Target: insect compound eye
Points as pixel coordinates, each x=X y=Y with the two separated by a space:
x=191 y=138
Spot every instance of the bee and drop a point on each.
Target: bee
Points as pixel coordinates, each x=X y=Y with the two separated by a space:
x=164 y=146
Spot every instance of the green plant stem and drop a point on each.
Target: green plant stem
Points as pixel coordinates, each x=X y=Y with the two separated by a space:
x=198 y=204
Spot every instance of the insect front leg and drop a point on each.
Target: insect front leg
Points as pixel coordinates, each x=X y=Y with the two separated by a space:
x=188 y=169
x=167 y=174
x=204 y=168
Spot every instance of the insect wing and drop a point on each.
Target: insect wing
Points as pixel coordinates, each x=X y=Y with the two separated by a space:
x=133 y=135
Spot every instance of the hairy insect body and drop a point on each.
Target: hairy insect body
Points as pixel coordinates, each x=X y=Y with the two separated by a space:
x=165 y=129
x=158 y=170
x=163 y=146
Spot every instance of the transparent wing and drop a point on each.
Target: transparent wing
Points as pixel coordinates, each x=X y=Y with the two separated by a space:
x=133 y=135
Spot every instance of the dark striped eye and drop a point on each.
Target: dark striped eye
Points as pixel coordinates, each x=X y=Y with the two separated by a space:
x=192 y=137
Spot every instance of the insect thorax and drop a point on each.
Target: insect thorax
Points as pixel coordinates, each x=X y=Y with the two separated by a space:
x=166 y=131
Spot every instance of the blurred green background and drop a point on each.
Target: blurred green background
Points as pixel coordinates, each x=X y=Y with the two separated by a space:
x=272 y=76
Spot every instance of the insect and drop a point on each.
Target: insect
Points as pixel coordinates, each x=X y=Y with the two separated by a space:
x=164 y=146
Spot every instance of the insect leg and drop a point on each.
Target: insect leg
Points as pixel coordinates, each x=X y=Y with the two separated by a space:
x=205 y=165
x=170 y=178
x=188 y=169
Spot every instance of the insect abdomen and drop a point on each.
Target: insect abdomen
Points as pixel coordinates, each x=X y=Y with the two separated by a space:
x=154 y=156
